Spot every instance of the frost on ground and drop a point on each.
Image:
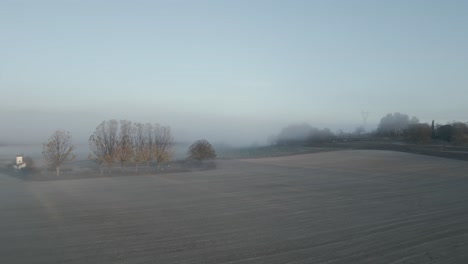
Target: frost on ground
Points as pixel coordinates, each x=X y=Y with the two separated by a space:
x=331 y=207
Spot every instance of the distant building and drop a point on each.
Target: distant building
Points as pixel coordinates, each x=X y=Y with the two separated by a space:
x=19 y=162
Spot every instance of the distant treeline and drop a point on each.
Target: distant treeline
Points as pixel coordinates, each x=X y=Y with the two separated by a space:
x=395 y=126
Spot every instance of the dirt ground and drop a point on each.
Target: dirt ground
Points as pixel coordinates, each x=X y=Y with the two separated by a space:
x=355 y=206
x=444 y=150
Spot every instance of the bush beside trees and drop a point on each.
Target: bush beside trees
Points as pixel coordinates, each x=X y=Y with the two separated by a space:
x=456 y=133
x=418 y=133
x=201 y=150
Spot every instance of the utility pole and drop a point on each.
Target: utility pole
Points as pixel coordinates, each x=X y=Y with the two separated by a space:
x=365 y=115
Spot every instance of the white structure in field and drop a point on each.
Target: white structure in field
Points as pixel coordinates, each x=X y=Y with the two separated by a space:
x=19 y=162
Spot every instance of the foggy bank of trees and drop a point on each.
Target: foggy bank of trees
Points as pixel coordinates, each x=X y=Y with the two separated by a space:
x=399 y=125
x=393 y=126
x=455 y=132
x=124 y=142
x=303 y=134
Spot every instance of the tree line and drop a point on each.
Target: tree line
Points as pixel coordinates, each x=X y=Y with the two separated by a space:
x=396 y=126
x=123 y=142
x=399 y=125
x=302 y=133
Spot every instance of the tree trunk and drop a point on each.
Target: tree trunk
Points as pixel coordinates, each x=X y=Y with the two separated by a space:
x=57 y=169
x=102 y=170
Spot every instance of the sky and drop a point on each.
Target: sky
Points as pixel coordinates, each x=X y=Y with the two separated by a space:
x=233 y=71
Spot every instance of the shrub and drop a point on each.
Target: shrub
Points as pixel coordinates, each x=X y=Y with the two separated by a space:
x=459 y=133
x=418 y=133
x=201 y=150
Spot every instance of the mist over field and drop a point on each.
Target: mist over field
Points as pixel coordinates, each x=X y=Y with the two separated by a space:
x=225 y=72
x=34 y=127
x=242 y=131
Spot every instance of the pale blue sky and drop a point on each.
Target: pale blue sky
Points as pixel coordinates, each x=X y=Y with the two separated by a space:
x=229 y=69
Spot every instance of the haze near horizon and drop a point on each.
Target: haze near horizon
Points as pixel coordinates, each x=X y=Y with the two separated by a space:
x=232 y=71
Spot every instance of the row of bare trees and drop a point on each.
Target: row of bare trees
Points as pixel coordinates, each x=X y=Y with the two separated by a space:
x=124 y=142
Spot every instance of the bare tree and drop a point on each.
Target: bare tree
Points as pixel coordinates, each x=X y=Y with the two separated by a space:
x=104 y=143
x=58 y=149
x=124 y=151
x=152 y=142
x=150 y=145
x=139 y=144
x=163 y=144
x=130 y=141
x=98 y=150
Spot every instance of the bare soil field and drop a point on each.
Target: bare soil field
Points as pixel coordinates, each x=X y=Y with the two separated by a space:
x=355 y=206
x=444 y=150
